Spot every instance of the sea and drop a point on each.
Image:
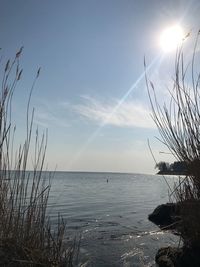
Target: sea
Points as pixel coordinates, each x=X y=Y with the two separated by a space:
x=108 y=214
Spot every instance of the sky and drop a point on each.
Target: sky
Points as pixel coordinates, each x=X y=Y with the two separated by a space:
x=91 y=94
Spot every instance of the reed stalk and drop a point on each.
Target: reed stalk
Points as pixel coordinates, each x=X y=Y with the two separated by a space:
x=26 y=235
x=178 y=123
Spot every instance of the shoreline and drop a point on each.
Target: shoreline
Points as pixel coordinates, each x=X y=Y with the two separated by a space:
x=168 y=217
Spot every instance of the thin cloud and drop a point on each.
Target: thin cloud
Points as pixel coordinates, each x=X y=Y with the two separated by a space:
x=128 y=114
x=46 y=119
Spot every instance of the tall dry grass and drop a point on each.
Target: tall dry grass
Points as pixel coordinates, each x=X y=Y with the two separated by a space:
x=178 y=123
x=26 y=237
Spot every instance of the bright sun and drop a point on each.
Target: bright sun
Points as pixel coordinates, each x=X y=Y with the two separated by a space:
x=171 y=37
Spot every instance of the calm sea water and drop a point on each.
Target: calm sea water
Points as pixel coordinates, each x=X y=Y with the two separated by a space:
x=112 y=217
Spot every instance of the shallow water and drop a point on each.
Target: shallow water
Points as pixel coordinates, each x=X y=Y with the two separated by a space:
x=112 y=217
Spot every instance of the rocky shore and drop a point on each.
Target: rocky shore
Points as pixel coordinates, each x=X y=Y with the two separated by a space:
x=168 y=217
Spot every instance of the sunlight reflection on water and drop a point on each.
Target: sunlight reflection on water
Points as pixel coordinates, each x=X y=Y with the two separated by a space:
x=111 y=217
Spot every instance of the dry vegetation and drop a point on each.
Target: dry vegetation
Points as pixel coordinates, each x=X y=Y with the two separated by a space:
x=179 y=127
x=26 y=237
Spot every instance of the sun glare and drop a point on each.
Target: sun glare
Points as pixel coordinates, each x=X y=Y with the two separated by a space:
x=171 y=38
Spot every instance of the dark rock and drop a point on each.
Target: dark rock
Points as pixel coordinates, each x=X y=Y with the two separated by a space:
x=164 y=261
x=168 y=257
x=166 y=215
x=178 y=257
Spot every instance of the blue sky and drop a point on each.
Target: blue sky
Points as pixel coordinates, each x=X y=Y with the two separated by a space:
x=91 y=93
